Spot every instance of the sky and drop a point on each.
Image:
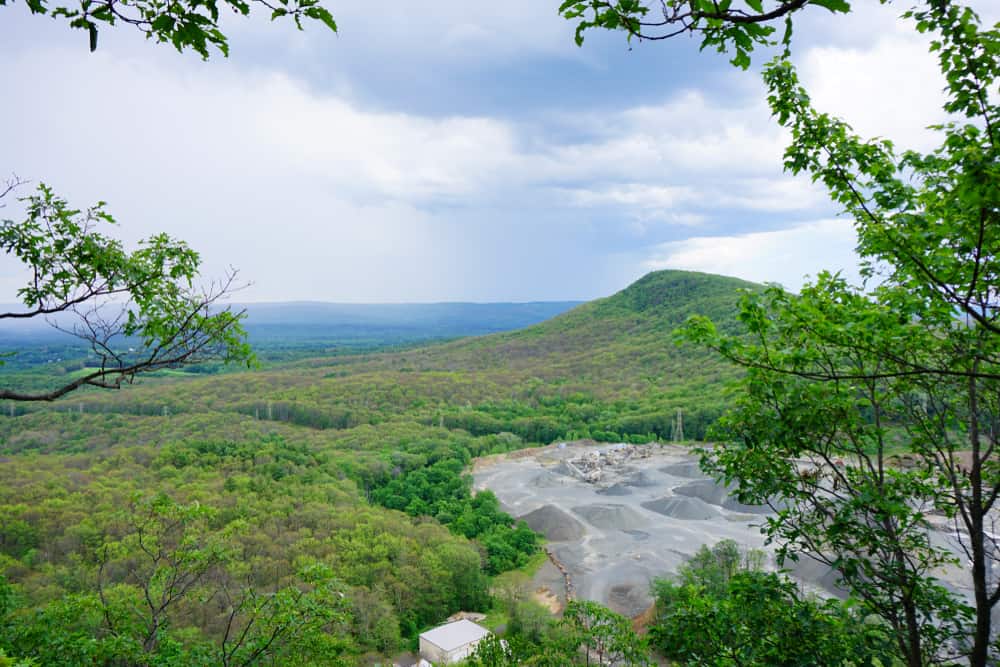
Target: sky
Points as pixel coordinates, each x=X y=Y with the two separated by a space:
x=446 y=150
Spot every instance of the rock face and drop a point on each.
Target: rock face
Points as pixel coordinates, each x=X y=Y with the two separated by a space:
x=555 y=524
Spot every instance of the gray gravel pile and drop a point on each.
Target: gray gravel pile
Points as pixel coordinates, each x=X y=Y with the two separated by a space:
x=555 y=524
x=682 y=507
x=611 y=516
x=689 y=469
x=705 y=490
x=618 y=489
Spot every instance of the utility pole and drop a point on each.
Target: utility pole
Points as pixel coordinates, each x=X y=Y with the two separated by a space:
x=679 y=426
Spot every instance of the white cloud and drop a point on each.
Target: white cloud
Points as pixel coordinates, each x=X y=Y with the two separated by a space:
x=687 y=134
x=890 y=89
x=785 y=256
x=314 y=194
x=634 y=194
x=460 y=32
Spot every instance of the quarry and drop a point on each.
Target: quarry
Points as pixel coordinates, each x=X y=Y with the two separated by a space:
x=616 y=517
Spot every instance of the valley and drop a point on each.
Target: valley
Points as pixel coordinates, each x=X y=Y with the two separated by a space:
x=354 y=464
x=409 y=484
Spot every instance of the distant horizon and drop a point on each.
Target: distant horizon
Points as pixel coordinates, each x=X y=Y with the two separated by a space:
x=6 y=305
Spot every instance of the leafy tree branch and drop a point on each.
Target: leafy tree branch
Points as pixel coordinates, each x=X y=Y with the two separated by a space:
x=137 y=311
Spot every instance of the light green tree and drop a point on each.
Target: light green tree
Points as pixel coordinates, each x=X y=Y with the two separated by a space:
x=840 y=377
x=137 y=311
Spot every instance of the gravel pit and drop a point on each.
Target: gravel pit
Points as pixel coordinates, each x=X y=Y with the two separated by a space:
x=624 y=543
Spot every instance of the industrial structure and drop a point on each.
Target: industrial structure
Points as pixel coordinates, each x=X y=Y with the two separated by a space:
x=452 y=642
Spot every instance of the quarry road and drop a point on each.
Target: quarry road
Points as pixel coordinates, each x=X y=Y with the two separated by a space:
x=618 y=516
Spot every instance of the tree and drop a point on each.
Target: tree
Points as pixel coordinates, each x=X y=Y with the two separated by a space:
x=169 y=564
x=603 y=636
x=724 y=26
x=840 y=378
x=136 y=311
x=186 y=24
x=147 y=295
x=722 y=609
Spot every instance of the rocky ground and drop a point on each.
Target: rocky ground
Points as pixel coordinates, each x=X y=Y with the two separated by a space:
x=618 y=516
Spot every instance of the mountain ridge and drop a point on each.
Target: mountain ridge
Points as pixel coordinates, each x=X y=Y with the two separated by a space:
x=606 y=369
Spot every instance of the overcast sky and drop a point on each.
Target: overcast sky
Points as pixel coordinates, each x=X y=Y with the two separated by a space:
x=447 y=150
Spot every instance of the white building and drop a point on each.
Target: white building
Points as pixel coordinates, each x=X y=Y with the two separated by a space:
x=451 y=643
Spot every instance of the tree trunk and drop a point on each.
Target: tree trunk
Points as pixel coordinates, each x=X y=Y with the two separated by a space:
x=981 y=639
x=914 y=656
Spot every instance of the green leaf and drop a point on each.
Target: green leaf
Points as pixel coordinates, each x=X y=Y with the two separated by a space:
x=836 y=6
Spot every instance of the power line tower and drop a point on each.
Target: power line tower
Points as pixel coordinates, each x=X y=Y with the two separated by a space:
x=679 y=426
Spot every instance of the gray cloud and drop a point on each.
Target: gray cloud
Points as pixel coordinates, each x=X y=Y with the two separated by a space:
x=318 y=192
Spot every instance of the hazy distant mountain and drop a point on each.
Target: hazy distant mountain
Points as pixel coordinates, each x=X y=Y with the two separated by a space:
x=303 y=322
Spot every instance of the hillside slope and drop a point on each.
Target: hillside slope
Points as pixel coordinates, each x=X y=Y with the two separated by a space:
x=606 y=369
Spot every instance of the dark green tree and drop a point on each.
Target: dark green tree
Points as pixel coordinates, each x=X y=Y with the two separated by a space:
x=722 y=609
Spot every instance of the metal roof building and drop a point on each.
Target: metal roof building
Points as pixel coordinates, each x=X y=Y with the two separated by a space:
x=452 y=642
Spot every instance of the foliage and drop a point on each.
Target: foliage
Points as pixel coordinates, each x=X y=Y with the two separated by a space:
x=842 y=377
x=493 y=652
x=442 y=491
x=120 y=299
x=588 y=633
x=600 y=371
x=215 y=552
x=723 y=616
x=603 y=634
x=186 y=24
x=738 y=27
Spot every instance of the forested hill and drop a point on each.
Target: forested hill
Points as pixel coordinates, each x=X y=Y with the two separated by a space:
x=605 y=369
x=628 y=330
